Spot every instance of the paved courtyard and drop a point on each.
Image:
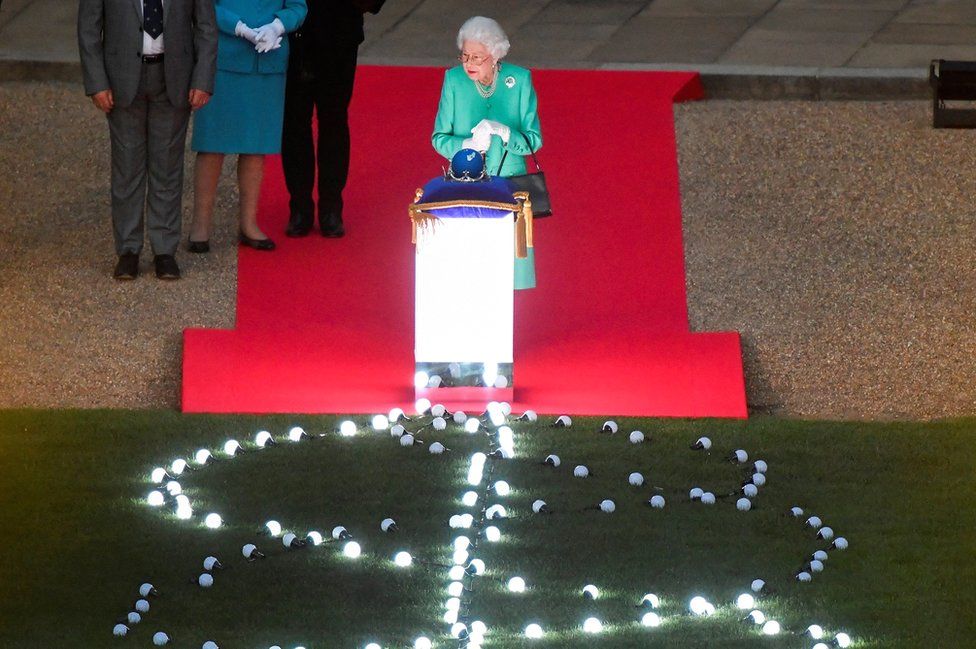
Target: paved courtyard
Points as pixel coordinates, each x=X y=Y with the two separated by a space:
x=889 y=35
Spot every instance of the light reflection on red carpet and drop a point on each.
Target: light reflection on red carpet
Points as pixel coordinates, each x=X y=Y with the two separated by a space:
x=327 y=325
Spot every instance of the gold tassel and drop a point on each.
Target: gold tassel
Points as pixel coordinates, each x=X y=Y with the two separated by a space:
x=418 y=217
x=523 y=225
x=421 y=220
x=521 y=252
x=412 y=210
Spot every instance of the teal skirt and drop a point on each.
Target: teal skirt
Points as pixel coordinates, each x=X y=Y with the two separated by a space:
x=525 y=271
x=244 y=115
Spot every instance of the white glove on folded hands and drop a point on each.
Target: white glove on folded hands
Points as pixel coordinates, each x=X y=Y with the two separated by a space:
x=270 y=32
x=263 y=46
x=482 y=130
x=246 y=32
x=480 y=140
x=494 y=128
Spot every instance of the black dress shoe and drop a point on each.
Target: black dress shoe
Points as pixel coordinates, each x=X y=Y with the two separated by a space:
x=331 y=225
x=128 y=267
x=198 y=247
x=166 y=267
x=257 y=244
x=299 y=225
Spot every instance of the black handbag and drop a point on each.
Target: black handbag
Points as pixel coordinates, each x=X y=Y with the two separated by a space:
x=533 y=183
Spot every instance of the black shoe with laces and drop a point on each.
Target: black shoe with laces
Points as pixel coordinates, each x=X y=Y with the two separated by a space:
x=166 y=267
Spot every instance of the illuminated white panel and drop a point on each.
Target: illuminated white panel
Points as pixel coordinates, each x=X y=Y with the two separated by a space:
x=464 y=290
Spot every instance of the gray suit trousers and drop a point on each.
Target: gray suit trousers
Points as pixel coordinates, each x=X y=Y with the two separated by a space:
x=148 y=139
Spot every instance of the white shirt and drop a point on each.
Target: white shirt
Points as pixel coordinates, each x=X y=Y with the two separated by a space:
x=150 y=45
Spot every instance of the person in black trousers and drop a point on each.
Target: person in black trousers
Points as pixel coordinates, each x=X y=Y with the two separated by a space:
x=321 y=70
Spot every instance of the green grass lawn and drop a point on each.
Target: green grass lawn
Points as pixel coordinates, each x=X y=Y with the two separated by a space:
x=77 y=539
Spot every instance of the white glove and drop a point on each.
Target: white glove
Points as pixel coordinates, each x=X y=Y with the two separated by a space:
x=482 y=129
x=494 y=128
x=480 y=141
x=263 y=46
x=270 y=33
x=246 y=32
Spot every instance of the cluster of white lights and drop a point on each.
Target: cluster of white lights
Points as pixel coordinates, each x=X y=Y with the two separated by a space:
x=465 y=567
x=698 y=606
x=746 y=601
x=169 y=489
x=140 y=608
x=750 y=489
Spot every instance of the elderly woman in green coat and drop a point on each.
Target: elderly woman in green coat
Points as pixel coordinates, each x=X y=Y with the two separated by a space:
x=490 y=107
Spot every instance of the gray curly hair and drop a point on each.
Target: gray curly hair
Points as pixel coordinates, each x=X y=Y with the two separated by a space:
x=487 y=32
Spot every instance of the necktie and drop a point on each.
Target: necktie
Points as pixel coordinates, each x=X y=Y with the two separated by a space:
x=152 y=17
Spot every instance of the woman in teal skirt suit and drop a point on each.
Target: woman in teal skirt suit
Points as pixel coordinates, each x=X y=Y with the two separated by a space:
x=491 y=107
x=245 y=114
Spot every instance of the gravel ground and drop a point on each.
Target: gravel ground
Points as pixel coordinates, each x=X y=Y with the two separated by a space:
x=836 y=237
x=70 y=335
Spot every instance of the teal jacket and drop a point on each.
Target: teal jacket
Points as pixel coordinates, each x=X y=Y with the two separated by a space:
x=236 y=54
x=514 y=104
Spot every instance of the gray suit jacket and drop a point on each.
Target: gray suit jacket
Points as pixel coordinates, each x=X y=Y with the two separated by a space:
x=110 y=43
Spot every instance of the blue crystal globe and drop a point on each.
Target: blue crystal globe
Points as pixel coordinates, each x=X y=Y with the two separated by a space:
x=467 y=165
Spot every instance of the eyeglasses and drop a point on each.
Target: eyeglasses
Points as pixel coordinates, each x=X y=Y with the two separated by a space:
x=474 y=58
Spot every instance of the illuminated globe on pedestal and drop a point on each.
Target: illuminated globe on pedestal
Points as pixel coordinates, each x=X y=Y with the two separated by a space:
x=467 y=164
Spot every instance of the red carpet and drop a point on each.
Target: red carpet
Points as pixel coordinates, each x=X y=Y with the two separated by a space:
x=327 y=325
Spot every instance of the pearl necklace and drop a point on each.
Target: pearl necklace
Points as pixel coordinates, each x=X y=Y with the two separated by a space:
x=487 y=91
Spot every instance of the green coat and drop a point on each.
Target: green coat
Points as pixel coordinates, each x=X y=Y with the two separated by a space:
x=514 y=104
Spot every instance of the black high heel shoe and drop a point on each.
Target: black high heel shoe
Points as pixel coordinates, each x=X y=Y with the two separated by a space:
x=198 y=247
x=257 y=244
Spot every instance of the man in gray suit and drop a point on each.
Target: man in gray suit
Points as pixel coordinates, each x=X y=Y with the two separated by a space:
x=147 y=64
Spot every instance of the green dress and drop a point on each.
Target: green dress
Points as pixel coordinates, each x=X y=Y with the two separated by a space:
x=513 y=104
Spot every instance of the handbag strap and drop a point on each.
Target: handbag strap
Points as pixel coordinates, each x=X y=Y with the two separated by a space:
x=528 y=145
